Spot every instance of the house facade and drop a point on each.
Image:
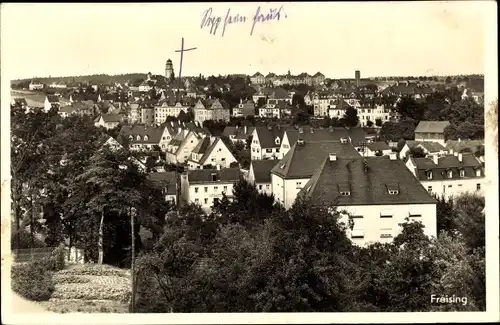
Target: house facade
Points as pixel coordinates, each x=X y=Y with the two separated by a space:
x=108 y=121
x=258 y=79
x=51 y=102
x=210 y=151
x=431 y=131
x=204 y=187
x=449 y=175
x=180 y=147
x=244 y=109
x=266 y=142
x=211 y=110
x=259 y=174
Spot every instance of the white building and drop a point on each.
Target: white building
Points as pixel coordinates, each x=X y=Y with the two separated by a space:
x=165 y=110
x=180 y=147
x=378 y=193
x=379 y=112
x=210 y=151
x=238 y=134
x=205 y=186
x=275 y=108
x=51 y=101
x=428 y=148
x=36 y=85
x=210 y=109
x=108 y=121
x=258 y=79
x=378 y=148
x=259 y=174
x=292 y=172
x=266 y=142
x=449 y=175
x=141 y=137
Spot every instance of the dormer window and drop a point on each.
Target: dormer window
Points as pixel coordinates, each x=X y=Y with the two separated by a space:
x=282 y=166
x=450 y=174
x=345 y=193
x=429 y=175
x=462 y=173
x=146 y=138
x=214 y=177
x=343 y=140
x=393 y=192
x=277 y=141
x=130 y=137
x=138 y=138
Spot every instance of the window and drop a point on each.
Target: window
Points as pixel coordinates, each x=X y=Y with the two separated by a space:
x=429 y=189
x=385 y=216
x=393 y=192
x=345 y=193
x=260 y=187
x=206 y=201
x=213 y=159
x=429 y=175
x=478 y=187
x=478 y=172
x=253 y=149
x=298 y=185
x=459 y=185
x=462 y=173
x=225 y=188
x=196 y=190
x=216 y=189
x=357 y=234
x=223 y=159
x=450 y=174
x=269 y=150
x=206 y=188
x=196 y=201
x=449 y=186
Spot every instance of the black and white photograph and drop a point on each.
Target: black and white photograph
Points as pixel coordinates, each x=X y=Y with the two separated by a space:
x=189 y=162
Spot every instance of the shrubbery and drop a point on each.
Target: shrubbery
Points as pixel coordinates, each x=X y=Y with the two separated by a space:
x=32 y=281
x=54 y=262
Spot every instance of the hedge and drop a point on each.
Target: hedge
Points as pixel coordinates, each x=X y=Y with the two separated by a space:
x=32 y=281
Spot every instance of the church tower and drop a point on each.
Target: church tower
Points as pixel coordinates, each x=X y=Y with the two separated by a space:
x=169 y=69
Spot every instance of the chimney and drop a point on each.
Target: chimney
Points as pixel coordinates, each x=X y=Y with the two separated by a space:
x=460 y=157
x=435 y=158
x=392 y=156
x=217 y=167
x=241 y=100
x=332 y=157
x=172 y=123
x=212 y=139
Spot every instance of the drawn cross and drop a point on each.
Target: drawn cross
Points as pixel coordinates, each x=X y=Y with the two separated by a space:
x=182 y=50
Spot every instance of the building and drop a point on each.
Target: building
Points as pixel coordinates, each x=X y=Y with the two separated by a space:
x=166 y=109
x=169 y=70
x=180 y=147
x=238 y=134
x=379 y=148
x=357 y=76
x=108 y=121
x=211 y=151
x=322 y=102
x=211 y=109
x=336 y=108
x=141 y=137
x=58 y=85
x=378 y=193
x=51 y=102
x=266 y=142
x=147 y=112
x=36 y=85
x=169 y=183
x=258 y=79
x=428 y=148
x=244 y=109
x=275 y=108
x=204 y=187
x=20 y=103
x=259 y=174
x=309 y=134
x=449 y=175
x=318 y=78
x=297 y=167
x=378 y=112
x=431 y=131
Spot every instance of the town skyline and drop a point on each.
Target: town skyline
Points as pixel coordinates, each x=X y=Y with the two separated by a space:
x=338 y=55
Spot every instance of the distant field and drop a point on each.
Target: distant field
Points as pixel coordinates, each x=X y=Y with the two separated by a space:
x=33 y=98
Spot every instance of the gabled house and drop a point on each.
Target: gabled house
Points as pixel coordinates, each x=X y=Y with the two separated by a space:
x=258 y=79
x=244 y=109
x=204 y=187
x=318 y=78
x=379 y=148
x=237 y=133
x=141 y=137
x=300 y=163
x=376 y=193
x=211 y=109
x=210 y=151
x=180 y=147
x=449 y=175
x=109 y=121
x=259 y=174
x=428 y=148
x=266 y=142
x=36 y=85
x=50 y=102
x=431 y=131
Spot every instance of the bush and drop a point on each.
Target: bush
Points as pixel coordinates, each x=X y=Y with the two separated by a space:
x=32 y=281
x=24 y=240
x=54 y=262
x=60 y=279
x=95 y=269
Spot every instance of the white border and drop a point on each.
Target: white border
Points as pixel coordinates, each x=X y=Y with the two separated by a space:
x=492 y=224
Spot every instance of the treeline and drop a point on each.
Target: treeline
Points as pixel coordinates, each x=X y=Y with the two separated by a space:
x=250 y=255
x=88 y=192
x=89 y=79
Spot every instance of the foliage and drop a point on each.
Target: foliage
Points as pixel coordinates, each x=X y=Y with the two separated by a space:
x=369 y=123
x=32 y=281
x=445 y=215
x=470 y=219
x=54 y=262
x=96 y=270
x=350 y=117
x=84 y=291
x=417 y=152
x=404 y=129
x=25 y=240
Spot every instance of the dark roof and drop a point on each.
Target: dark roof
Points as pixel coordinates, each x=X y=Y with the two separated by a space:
x=318 y=74
x=456 y=145
x=357 y=135
x=238 y=132
x=110 y=118
x=445 y=163
x=154 y=133
x=210 y=149
x=302 y=160
x=53 y=99
x=20 y=101
x=166 y=180
x=379 y=145
x=268 y=135
x=314 y=134
x=202 y=145
x=368 y=180
x=257 y=74
x=432 y=146
x=225 y=175
x=67 y=109
x=262 y=170
x=431 y=126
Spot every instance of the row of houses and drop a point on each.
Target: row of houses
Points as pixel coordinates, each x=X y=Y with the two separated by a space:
x=303 y=78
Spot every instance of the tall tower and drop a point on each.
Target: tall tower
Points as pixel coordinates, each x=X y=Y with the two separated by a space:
x=169 y=69
x=357 y=75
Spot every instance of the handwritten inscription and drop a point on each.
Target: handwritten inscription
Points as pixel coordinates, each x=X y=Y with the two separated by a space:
x=218 y=24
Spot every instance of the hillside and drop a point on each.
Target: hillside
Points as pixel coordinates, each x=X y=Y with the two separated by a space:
x=91 y=79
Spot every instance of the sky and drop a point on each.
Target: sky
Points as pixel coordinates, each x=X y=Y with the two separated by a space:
x=379 y=39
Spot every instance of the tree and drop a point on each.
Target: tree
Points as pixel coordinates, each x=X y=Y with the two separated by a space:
x=378 y=122
x=409 y=108
x=470 y=219
x=450 y=132
x=445 y=215
x=350 y=118
x=448 y=80
x=369 y=123
x=417 y=152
